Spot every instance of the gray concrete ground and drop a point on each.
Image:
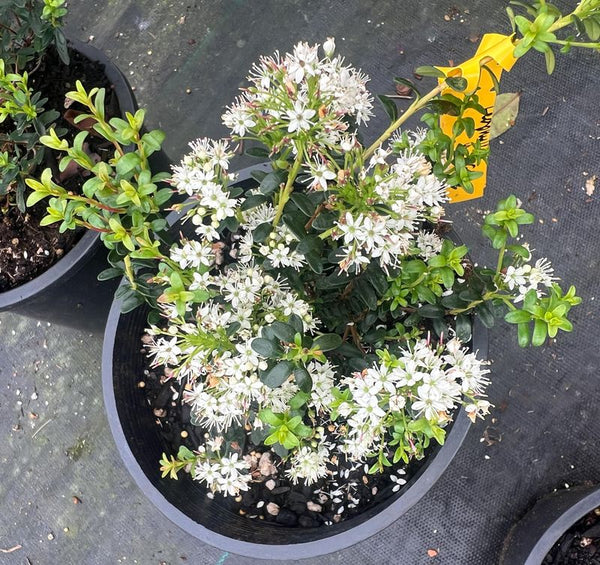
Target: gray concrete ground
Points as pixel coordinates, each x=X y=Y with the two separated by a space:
x=66 y=498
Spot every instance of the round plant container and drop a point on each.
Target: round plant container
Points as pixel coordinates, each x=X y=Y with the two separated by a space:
x=214 y=521
x=68 y=293
x=535 y=534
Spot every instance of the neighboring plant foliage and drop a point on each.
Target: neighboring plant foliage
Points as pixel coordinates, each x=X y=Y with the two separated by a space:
x=27 y=29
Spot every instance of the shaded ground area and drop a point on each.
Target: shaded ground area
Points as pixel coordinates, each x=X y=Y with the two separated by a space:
x=66 y=497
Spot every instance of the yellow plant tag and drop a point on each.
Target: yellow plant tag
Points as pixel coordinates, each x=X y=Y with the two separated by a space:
x=495 y=52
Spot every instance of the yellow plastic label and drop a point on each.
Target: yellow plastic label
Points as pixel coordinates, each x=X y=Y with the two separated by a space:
x=495 y=52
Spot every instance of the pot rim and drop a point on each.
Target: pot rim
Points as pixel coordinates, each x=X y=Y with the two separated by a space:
x=551 y=516
x=78 y=255
x=422 y=483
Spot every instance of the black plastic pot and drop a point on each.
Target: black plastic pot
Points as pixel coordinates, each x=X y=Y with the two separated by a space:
x=534 y=535
x=68 y=293
x=212 y=521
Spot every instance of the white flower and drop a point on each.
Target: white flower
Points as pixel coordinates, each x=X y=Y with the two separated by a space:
x=429 y=402
x=351 y=228
x=299 y=117
x=320 y=175
x=165 y=352
x=428 y=244
x=541 y=273
x=238 y=119
x=303 y=62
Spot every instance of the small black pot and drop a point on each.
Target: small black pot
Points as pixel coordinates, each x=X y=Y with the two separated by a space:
x=212 y=521
x=534 y=535
x=68 y=293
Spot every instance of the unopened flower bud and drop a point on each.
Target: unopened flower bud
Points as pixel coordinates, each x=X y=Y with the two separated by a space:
x=329 y=46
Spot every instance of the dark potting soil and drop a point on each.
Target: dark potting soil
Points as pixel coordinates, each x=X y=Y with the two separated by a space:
x=29 y=249
x=580 y=545
x=272 y=496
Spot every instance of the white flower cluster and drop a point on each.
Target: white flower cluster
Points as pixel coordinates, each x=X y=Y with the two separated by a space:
x=411 y=194
x=300 y=93
x=279 y=247
x=227 y=475
x=422 y=382
x=308 y=464
x=529 y=277
x=202 y=175
x=215 y=355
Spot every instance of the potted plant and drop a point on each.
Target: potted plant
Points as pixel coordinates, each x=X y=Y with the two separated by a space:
x=46 y=271
x=562 y=528
x=307 y=335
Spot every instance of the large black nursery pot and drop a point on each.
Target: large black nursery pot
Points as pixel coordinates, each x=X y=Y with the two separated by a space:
x=184 y=501
x=536 y=533
x=68 y=293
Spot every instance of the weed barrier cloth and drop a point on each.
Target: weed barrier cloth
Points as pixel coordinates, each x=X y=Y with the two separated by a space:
x=542 y=433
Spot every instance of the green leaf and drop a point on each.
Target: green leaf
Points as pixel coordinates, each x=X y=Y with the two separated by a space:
x=153 y=141
x=457 y=83
x=110 y=273
x=389 y=106
x=260 y=152
x=327 y=342
x=517 y=317
x=486 y=314
x=540 y=331
x=523 y=335
x=428 y=71
x=304 y=203
x=278 y=374
x=266 y=348
x=252 y=201
x=130 y=303
x=290 y=441
x=262 y=231
x=550 y=60
x=269 y=417
x=285 y=332
x=303 y=379
x=408 y=83
x=272 y=181
x=431 y=311
x=314 y=262
x=309 y=244
x=297 y=401
x=505 y=113
x=463 y=328
x=127 y=163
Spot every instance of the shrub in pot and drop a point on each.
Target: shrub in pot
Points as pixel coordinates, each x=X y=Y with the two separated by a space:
x=45 y=270
x=306 y=334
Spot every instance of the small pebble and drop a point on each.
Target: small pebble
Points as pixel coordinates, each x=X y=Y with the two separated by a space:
x=184 y=434
x=273 y=508
x=313 y=506
x=270 y=484
x=260 y=504
x=141 y=384
x=51 y=536
x=76 y=500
